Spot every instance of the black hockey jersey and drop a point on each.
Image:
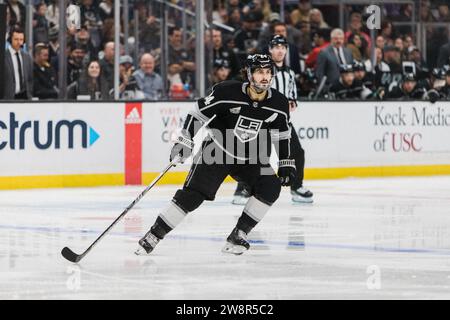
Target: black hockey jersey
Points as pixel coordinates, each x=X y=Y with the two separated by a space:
x=242 y=126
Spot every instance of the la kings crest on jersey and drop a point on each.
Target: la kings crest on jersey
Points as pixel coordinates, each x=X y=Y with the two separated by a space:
x=247 y=129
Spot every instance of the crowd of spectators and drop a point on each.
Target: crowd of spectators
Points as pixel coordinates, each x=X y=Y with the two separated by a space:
x=330 y=63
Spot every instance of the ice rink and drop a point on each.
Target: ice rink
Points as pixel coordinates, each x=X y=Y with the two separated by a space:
x=386 y=238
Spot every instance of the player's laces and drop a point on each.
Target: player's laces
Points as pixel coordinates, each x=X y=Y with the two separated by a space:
x=147 y=243
x=236 y=242
x=302 y=194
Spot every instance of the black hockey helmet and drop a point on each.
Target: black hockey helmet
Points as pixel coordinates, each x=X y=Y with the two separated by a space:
x=221 y=63
x=358 y=66
x=446 y=70
x=278 y=39
x=345 y=68
x=409 y=77
x=256 y=61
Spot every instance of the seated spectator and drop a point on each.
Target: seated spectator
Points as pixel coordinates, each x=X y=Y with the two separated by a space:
x=301 y=13
x=44 y=79
x=347 y=88
x=356 y=27
x=387 y=31
x=407 y=89
x=107 y=64
x=380 y=42
x=181 y=62
x=331 y=57
x=316 y=20
x=321 y=40
x=91 y=84
x=90 y=17
x=128 y=87
x=148 y=81
x=75 y=63
x=83 y=37
x=40 y=24
x=245 y=38
x=444 y=91
x=222 y=52
x=17 y=13
x=354 y=44
x=52 y=14
x=221 y=71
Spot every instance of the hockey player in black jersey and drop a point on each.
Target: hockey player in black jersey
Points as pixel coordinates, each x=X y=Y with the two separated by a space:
x=243 y=115
x=347 y=88
x=284 y=82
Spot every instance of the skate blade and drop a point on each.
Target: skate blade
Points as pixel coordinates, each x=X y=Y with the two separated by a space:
x=298 y=199
x=141 y=252
x=233 y=249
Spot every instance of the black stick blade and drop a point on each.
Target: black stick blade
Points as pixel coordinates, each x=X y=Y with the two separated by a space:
x=70 y=255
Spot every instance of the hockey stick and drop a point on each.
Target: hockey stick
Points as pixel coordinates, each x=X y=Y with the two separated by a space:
x=75 y=258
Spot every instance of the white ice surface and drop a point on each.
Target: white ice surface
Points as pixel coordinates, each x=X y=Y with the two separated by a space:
x=361 y=239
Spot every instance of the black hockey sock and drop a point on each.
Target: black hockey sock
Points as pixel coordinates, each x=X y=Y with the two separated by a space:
x=160 y=228
x=246 y=223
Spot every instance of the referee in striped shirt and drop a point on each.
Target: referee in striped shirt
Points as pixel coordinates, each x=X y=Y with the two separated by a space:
x=284 y=82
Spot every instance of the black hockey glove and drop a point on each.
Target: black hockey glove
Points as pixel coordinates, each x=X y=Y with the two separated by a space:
x=286 y=172
x=182 y=149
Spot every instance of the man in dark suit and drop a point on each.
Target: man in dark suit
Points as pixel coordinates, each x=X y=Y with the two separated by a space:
x=44 y=79
x=18 y=78
x=332 y=57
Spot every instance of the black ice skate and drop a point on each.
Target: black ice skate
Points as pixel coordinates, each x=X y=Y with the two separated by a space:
x=236 y=242
x=302 y=195
x=147 y=243
x=241 y=195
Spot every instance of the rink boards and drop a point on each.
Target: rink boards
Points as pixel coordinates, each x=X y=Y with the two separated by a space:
x=92 y=144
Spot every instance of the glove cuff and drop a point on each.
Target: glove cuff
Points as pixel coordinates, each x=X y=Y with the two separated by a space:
x=286 y=163
x=185 y=142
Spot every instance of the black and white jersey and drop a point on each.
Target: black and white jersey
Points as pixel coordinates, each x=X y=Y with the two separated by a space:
x=284 y=82
x=241 y=123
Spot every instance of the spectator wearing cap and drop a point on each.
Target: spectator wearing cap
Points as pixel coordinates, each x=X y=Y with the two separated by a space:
x=347 y=88
x=221 y=70
x=90 y=85
x=148 y=81
x=415 y=56
x=332 y=57
x=83 y=37
x=107 y=63
x=44 y=78
x=53 y=43
x=407 y=89
x=321 y=40
x=222 y=52
x=128 y=86
x=75 y=63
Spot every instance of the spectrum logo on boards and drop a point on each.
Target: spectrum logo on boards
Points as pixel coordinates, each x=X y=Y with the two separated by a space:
x=19 y=135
